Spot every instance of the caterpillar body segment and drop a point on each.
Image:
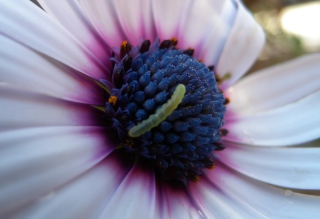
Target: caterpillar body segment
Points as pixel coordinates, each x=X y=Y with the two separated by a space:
x=161 y=114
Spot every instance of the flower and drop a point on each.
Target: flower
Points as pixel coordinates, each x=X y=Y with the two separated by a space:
x=58 y=160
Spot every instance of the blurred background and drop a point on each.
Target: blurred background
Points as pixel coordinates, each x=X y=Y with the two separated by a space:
x=292 y=29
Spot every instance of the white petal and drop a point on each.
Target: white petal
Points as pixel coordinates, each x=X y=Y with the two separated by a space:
x=85 y=195
x=71 y=16
x=161 y=207
x=181 y=204
x=30 y=70
x=243 y=45
x=297 y=168
x=134 y=198
x=294 y=123
x=32 y=27
x=37 y=160
x=276 y=86
x=21 y=108
x=227 y=194
x=103 y=15
x=202 y=25
x=135 y=18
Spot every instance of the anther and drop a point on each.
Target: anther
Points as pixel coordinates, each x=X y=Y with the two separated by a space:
x=224 y=132
x=174 y=41
x=226 y=101
x=127 y=63
x=211 y=67
x=145 y=46
x=219 y=146
x=125 y=48
x=189 y=52
x=165 y=44
x=212 y=166
x=113 y=62
x=113 y=100
x=117 y=77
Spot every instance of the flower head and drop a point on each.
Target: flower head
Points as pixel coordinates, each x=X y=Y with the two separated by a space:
x=120 y=109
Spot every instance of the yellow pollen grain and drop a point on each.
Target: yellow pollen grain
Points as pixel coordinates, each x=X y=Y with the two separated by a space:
x=174 y=41
x=124 y=44
x=129 y=143
x=212 y=166
x=113 y=100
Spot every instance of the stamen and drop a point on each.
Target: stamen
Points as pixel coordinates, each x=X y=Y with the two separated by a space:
x=117 y=77
x=174 y=41
x=165 y=44
x=224 y=132
x=211 y=67
x=113 y=100
x=125 y=48
x=219 y=146
x=189 y=52
x=145 y=46
x=226 y=101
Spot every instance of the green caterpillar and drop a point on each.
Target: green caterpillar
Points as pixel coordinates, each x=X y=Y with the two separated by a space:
x=161 y=114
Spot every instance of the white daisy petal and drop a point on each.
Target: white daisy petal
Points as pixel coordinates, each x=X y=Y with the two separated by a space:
x=21 y=108
x=104 y=17
x=161 y=207
x=36 y=160
x=276 y=86
x=44 y=75
x=71 y=16
x=48 y=37
x=294 y=123
x=168 y=15
x=83 y=199
x=243 y=45
x=136 y=20
x=227 y=194
x=180 y=204
x=297 y=168
x=136 y=190
x=216 y=203
x=193 y=19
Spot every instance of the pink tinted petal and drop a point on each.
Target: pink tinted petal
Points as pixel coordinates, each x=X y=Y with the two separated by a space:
x=217 y=203
x=44 y=75
x=20 y=22
x=135 y=18
x=21 y=108
x=103 y=15
x=71 y=16
x=36 y=161
x=276 y=86
x=161 y=207
x=134 y=198
x=202 y=25
x=181 y=204
x=294 y=123
x=212 y=44
x=237 y=193
x=168 y=16
x=243 y=45
x=85 y=195
x=297 y=168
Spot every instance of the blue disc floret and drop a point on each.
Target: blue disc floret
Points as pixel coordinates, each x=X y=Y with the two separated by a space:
x=147 y=81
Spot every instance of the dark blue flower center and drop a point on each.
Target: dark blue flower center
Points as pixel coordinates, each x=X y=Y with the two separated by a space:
x=144 y=79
